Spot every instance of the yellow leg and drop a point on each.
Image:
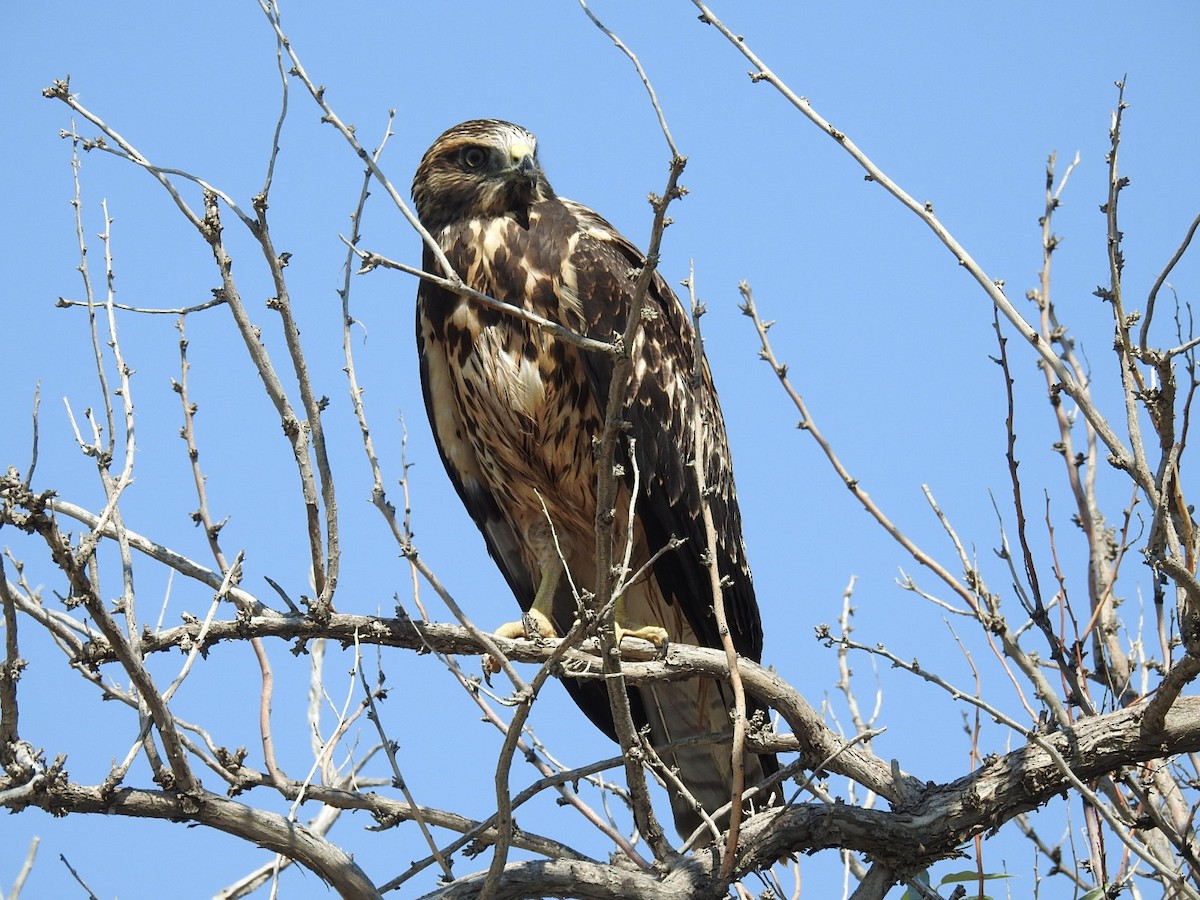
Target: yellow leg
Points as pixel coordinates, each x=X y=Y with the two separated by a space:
x=536 y=622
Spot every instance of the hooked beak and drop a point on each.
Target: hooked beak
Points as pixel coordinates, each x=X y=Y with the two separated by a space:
x=524 y=163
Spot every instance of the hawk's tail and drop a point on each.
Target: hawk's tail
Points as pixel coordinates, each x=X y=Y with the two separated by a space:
x=690 y=724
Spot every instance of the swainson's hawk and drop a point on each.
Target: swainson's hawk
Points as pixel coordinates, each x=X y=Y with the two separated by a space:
x=515 y=412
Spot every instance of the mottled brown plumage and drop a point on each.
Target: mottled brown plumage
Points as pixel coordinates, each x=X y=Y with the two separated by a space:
x=515 y=411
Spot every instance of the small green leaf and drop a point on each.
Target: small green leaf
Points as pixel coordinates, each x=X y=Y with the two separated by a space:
x=968 y=877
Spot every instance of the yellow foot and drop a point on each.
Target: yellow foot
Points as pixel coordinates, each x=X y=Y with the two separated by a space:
x=655 y=634
x=533 y=624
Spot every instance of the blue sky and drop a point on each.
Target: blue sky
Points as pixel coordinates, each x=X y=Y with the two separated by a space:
x=886 y=336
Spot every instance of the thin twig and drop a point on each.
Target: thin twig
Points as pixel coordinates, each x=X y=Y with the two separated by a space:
x=26 y=868
x=808 y=424
x=11 y=672
x=1121 y=456
x=67 y=303
x=606 y=489
x=699 y=464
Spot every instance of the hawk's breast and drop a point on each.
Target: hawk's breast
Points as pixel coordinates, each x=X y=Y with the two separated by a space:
x=525 y=391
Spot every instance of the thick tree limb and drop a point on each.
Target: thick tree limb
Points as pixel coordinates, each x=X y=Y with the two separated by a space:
x=269 y=830
x=936 y=818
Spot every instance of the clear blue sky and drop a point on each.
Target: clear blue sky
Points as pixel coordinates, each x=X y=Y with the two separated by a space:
x=886 y=336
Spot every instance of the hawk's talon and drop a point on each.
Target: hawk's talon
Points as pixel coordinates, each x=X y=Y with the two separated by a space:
x=531 y=626
x=655 y=634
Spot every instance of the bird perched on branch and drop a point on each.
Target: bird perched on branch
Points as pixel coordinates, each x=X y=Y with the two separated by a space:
x=517 y=412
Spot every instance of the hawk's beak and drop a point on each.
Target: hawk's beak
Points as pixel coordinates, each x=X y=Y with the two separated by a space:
x=524 y=163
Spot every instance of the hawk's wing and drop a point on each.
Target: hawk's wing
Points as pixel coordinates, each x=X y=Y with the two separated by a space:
x=664 y=393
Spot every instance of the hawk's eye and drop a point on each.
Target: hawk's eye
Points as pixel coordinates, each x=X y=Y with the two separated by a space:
x=474 y=157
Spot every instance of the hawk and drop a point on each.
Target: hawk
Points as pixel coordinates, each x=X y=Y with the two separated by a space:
x=515 y=411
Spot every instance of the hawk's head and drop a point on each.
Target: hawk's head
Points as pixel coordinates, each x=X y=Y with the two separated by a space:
x=480 y=168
